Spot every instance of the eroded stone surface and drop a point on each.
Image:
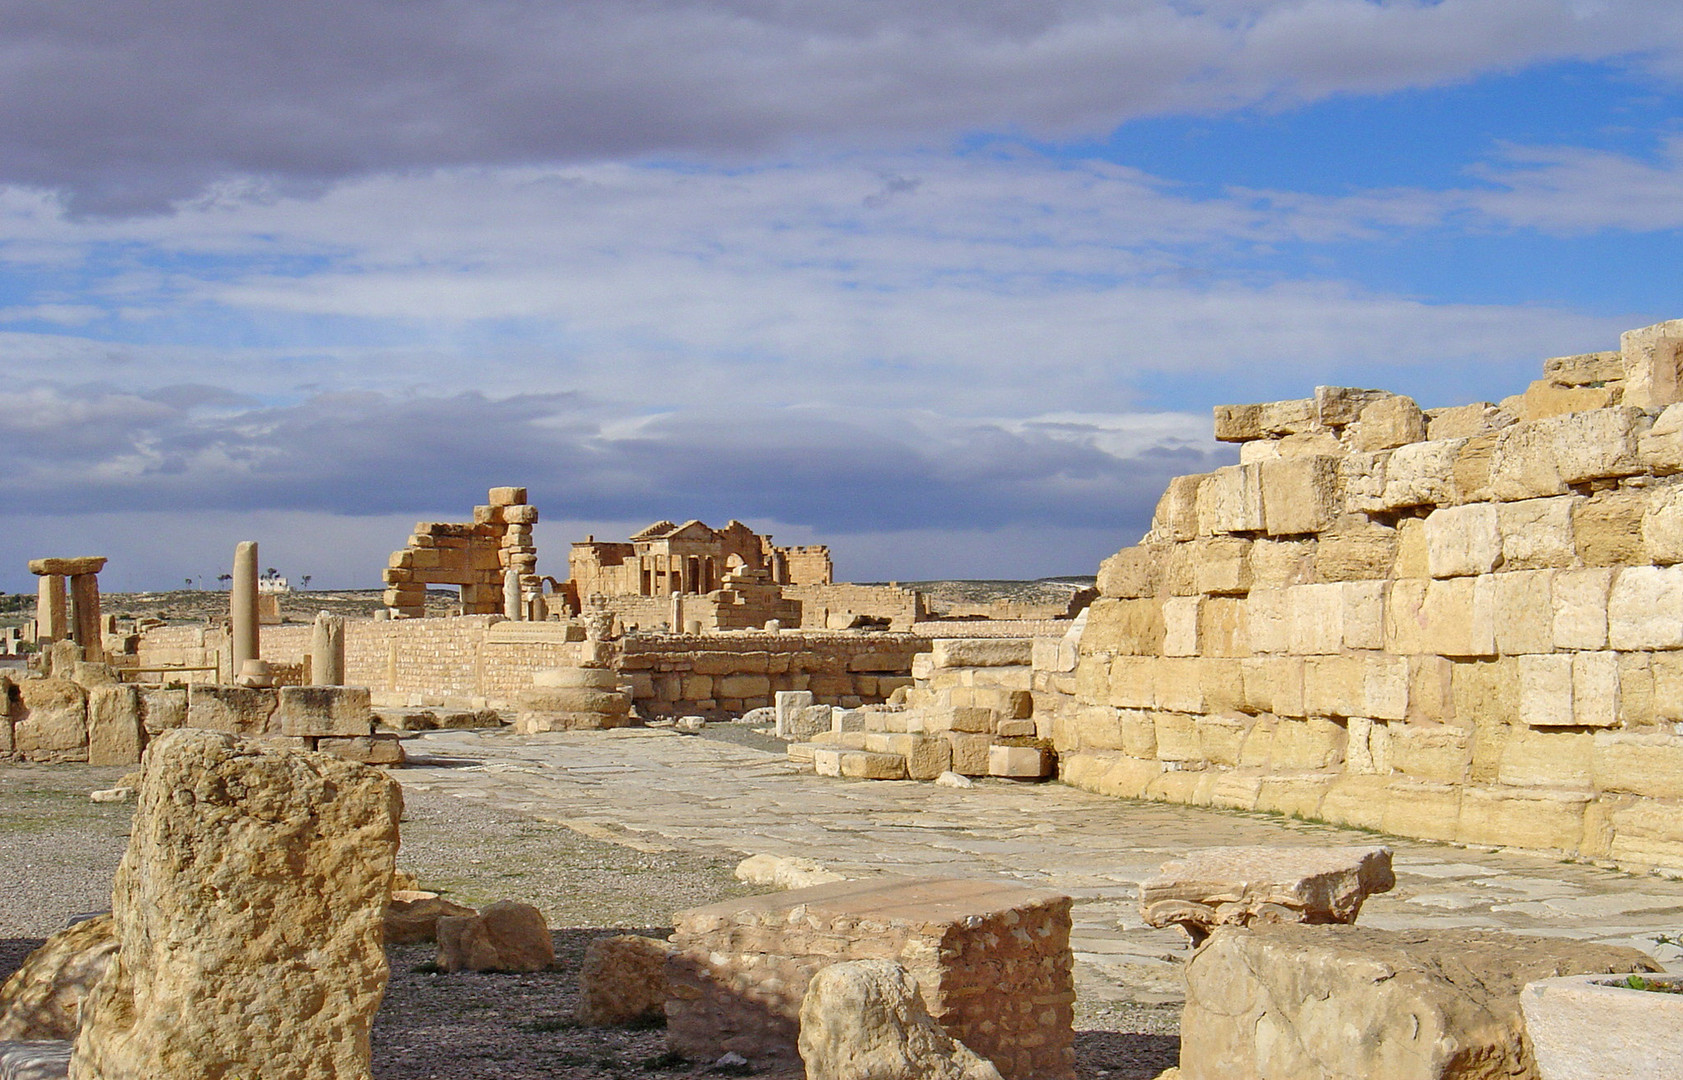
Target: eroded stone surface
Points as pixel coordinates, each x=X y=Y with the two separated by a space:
x=866 y=1018
x=43 y=998
x=249 y=907
x=505 y=936
x=1237 y=886
x=623 y=981
x=1334 y=1002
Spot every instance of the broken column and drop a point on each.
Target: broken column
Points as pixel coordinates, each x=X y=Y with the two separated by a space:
x=50 y=609
x=242 y=609
x=249 y=907
x=85 y=627
x=327 y=651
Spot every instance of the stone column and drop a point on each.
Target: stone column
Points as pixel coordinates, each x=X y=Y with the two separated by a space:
x=511 y=593
x=50 y=609
x=677 y=612
x=327 y=651
x=90 y=628
x=242 y=609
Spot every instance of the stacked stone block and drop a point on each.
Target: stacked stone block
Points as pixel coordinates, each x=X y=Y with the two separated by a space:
x=970 y=711
x=1463 y=624
x=334 y=719
x=477 y=556
x=991 y=959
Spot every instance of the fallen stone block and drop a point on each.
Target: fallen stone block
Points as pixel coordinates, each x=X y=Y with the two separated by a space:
x=1585 y=1027
x=1239 y=886
x=1332 y=1002
x=323 y=710
x=785 y=872
x=254 y=885
x=410 y=920
x=43 y=998
x=506 y=936
x=865 y=1018
x=623 y=981
x=978 y=950
x=383 y=748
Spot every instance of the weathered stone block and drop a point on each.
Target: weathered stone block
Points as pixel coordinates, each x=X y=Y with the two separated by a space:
x=1661 y=447
x=1434 y=752
x=1523 y=464
x=1317 y=618
x=1387 y=422
x=1385 y=683
x=1180 y=625
x=1653 y=365
x=1343 y=1001
x=1176 y=517
x=1244 y=886
x=254 y=884
x=982 y=652
x=1222 y=566
x=1179 y=684
x=1405 y=617
x=1132 y=572
x=1300 y=495
x=1021 y=762
x=43 y=998
x=1287 y=417
x=51 y=721
x=237 y=710
x=1363 y=616
x=1607 y=528
x=1420 y=474
x=1524 y=612
x=1645 y=608
x=1537 y=533
x=1223 y=627
x=1238 y=423
x=1585 y=369
x=743 y=966
x=323 y=710
x=623 y=981
x=1463 y=540
x=1535 y=818
x=1334 y=685
x=1356 y=549
x=1315 y=743
x=866 y=1018
x=1453 y=617
x=1361 y=476
x=1662 y=525
x=1466 y=421
x=504 y=936
x=1230 y=501
x=1599 y=444
x=1547 y=758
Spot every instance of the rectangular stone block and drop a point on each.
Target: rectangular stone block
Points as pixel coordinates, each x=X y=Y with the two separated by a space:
x=1238 y=423
x=1221 y=566
x=1484 y=692
x=1307 y=745
x=1300 y=495
x=1363 y=617
x=1276 y=564
x=970 y=752
x=1133 y=572
x=1180 y=625
x=1645 y=608
x=1221 y=682
x=1580 y=600
x=1435 y=752
x=1523 y=464
x=1176 y=737
x=1176 y=517
x=1420 y=474
x=1537 y=819
x=238 y=710
x=1458 y=617
x=1524 y=612
x=1268 y=620
x=1334 y=685
x=982 y=652
x=1662 y=525
x=1385 y=682
x=1462 y=540
x=1361 y=476
x=1661 y=447
x=115 y=735
x=323 y=710
x=1223 y=629
x=1021 y=762
x=1230 y=501
x=1387 y=422
x=1418 y=808
x=1124 y=627
x=1356 y=550
x=1545 y=690
x=1653 y=365
x=1607 y=528
x=865 y=765
x=1133 y=683
x=1292 y=417
x=1647 y=832
x=1317 y=618
x=1179 y=684
x=1638 y=763
x=1599 y=444
x=925 y=756
x=1405 y=617
x=1547 y=758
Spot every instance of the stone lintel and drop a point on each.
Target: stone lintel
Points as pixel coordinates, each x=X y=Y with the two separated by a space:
x=85 y=564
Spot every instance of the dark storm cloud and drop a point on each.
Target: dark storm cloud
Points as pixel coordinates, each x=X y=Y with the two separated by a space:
x=128 y=105
x=368 y=453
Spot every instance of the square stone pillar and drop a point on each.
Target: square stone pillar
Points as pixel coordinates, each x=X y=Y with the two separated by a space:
x=89 y=630
x=50 y=609
x=52 y=623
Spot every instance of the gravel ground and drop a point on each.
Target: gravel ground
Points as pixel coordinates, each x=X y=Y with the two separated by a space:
x=58 y=851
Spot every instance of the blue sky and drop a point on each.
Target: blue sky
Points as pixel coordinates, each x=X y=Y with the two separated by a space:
x=951 y=288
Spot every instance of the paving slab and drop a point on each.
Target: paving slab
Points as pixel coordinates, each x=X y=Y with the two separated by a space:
x=641 y=787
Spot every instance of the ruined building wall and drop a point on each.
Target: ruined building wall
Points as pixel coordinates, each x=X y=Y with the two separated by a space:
x=834 y=607
x=1463 y=624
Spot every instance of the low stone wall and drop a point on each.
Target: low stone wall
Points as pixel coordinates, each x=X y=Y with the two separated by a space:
x=1464 y=624
x=834 y=606
x=729 y=674
x=478 y=660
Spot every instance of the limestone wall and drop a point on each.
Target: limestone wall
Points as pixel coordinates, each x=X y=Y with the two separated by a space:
x=714 y=674
x=1463 y=624
x=476 y=660
x=834 y=606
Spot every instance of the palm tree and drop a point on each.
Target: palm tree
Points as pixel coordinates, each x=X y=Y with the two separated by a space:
x=189 y=582
x=304 y=581
x=226 y=579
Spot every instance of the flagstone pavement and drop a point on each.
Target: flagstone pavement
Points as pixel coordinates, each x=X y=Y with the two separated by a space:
x=653 y=790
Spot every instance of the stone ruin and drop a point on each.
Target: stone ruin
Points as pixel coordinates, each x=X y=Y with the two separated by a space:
x=246 y=932
x=492 y=559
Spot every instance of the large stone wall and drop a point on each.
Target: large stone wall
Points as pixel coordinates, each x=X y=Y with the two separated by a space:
x=1463 y=624
x=484 y=661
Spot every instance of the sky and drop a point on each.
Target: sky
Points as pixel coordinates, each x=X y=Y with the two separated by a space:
x=951 y=287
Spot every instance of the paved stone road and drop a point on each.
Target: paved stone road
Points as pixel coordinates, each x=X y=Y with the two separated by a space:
x=655 y=790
